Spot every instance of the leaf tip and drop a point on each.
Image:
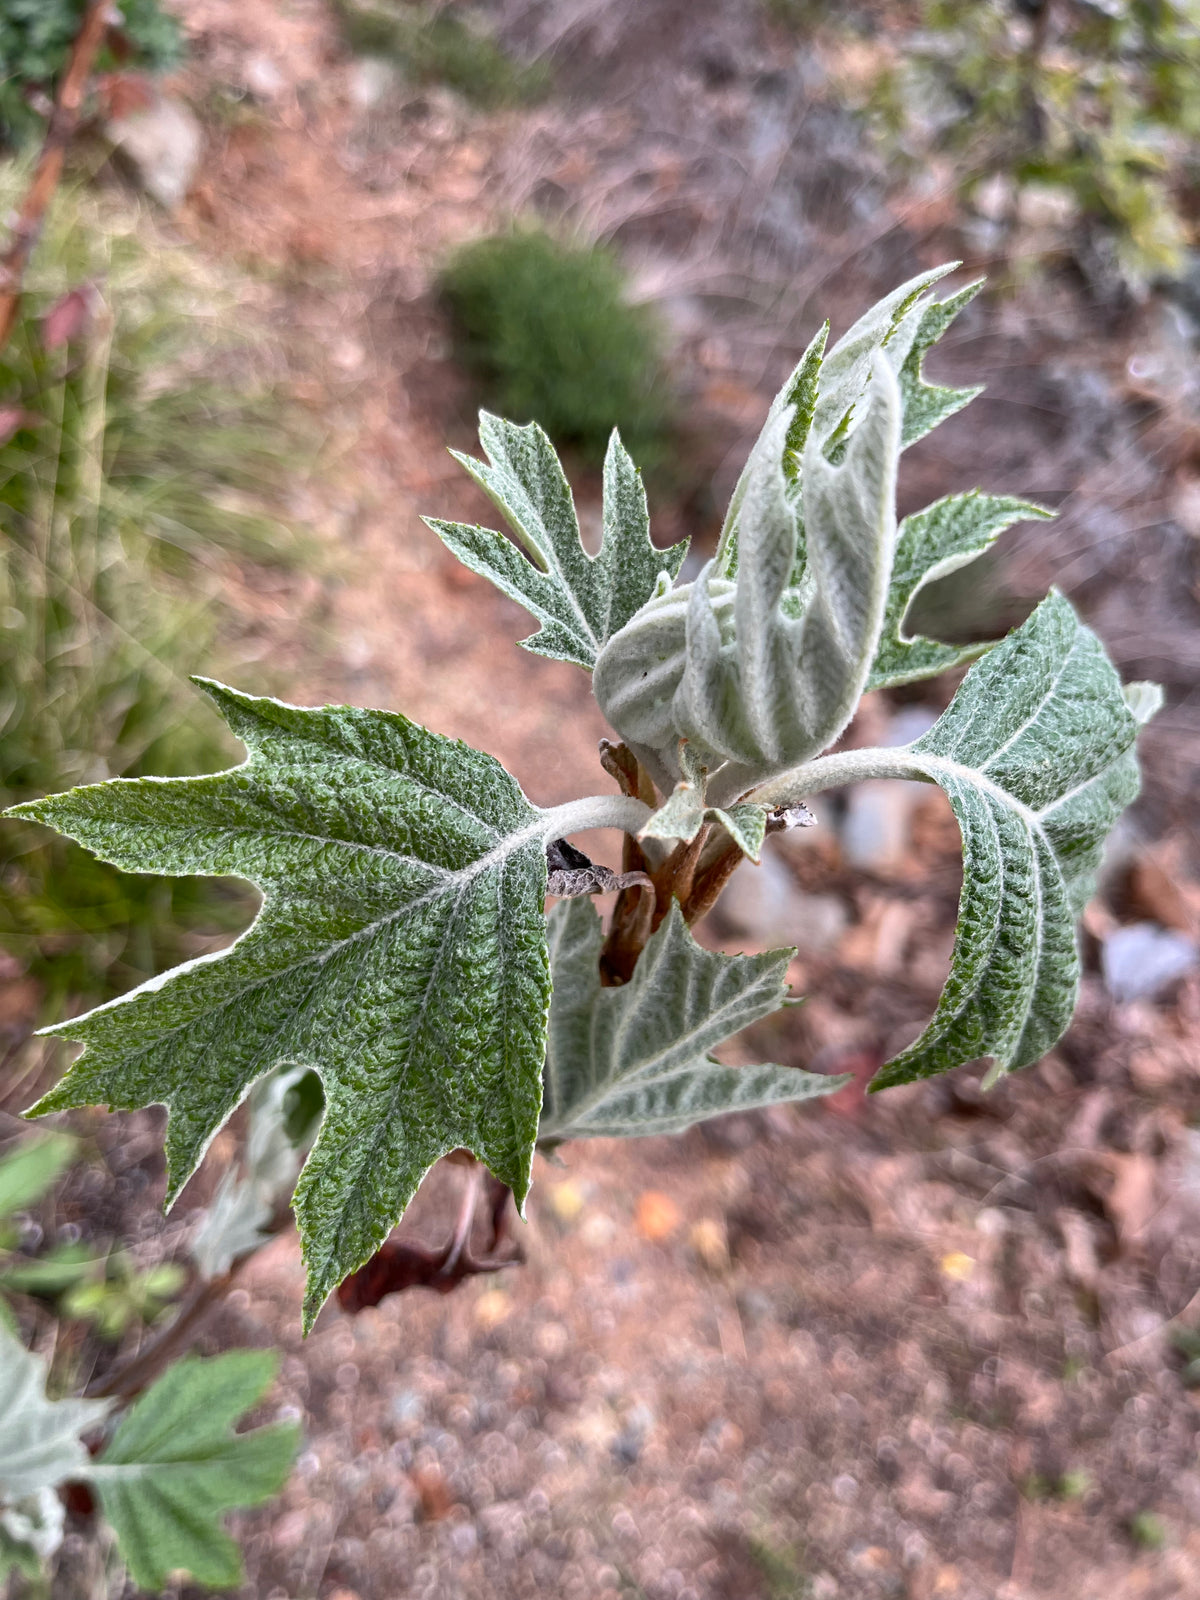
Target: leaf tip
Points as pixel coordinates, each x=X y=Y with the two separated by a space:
x=310 y=1309
x=520 y=1189
x=1036 y=513
x=24 y=810
x=221 y=695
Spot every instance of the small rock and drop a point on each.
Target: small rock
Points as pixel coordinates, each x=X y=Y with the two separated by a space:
x=1164 y=365
x=1185 y=505
x=707 y=1238
x=373 y=81
x=566 y=1200
x=916 y=1548
x=406 y=1407
x=875 y=831
x=764 y=903
x=491 y=1309
x=552 y=1340
x=958 y=1266
x=907 y=725
x=161 y=146
x=656 y=1216
x=263 y=78
x=1048 y=206
x=624 y=1526
x=434 y=1493
x=1141 y=960
x=993 y=199
x=627 y=1447
x=464 y=1540
x=597 y=1230
x=291 y=1530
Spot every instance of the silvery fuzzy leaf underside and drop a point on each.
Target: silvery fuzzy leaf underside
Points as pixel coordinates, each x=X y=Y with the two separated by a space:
x=761 y=661
x=755 y=675
x=824 y=389
x=1036 y=754
x=39 y=1438
x=400 y=953
x=634 y=1060
x=931 y=543
x=580 y=600
x=235 y=1221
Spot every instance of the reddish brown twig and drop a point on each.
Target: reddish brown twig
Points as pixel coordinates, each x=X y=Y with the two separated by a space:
x=63 y=121
x=128 y=1378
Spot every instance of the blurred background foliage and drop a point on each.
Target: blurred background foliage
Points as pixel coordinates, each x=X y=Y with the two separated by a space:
x=35 y=41
x=1092 y=106
x=141 y=452
x=445 y=44
x=548 y=329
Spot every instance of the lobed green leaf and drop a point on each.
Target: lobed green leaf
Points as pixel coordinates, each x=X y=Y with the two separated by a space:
x=931 y=543
x=39 y=1438
x=580 y=600
x=632 y=1061
x=1036 y=754
x=399 y=952
x=29 y=1169
x=174 y=1467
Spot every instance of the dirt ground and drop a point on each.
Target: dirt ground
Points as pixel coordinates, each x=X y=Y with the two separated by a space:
x=920 y=1346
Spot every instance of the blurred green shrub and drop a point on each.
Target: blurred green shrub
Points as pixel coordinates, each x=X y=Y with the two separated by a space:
x=1094 y=100
x=436 y=44
x=547 y=329
x=132 y=468
x=797 y=14
x=36 y=38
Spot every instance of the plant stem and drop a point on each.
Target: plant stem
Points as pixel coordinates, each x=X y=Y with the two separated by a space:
x=127 y=1380
x=597 y=811
x=63 y=121
x=466 y=1216
x=831 y=772
x=1031 y=66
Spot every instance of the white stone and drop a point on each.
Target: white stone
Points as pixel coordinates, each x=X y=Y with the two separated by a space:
x=162 y=147
x=263 y=78
x=1051 y=206
x=993 y=198
x=372 y=81
x=765 y=904
x=1139 y=961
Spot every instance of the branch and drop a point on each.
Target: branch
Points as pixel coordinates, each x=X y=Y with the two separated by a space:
x=63 y=121
x=128 y=1378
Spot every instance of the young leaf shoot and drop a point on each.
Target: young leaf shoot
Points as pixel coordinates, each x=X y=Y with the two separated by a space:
x=403 y=951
